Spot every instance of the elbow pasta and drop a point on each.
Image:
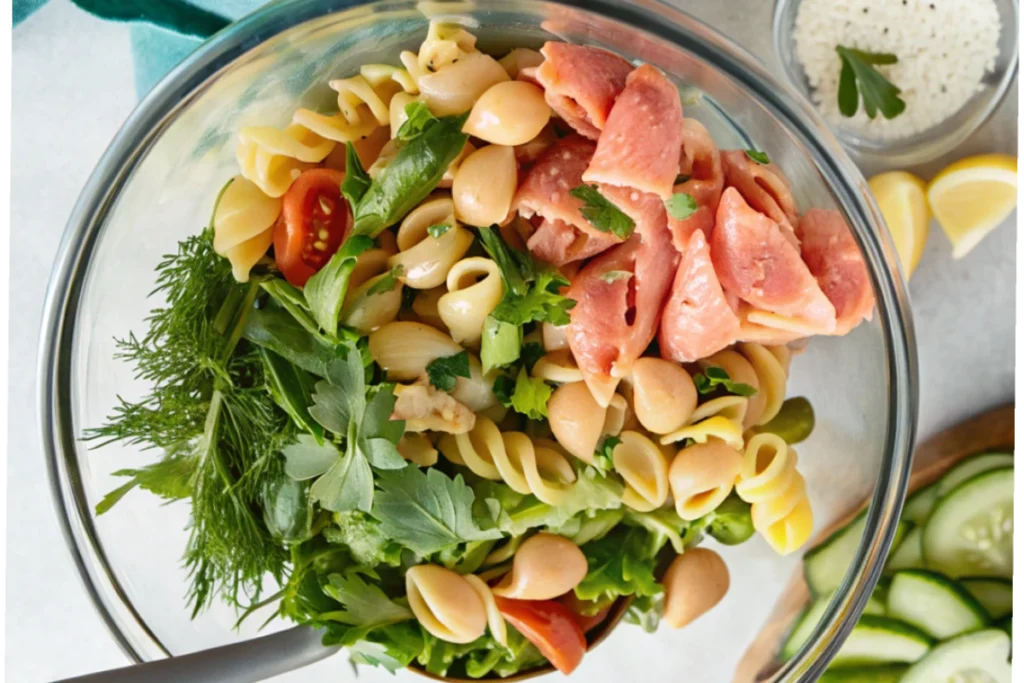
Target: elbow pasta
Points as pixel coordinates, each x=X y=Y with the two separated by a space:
x=511 y=457
x=702 y=476
x=645 y=470
x=777 y=493
x=475 y=289
x=426 y=260
x=484 y=186
x=273 y=158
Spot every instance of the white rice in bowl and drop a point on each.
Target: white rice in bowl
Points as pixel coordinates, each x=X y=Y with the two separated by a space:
x=944 y=47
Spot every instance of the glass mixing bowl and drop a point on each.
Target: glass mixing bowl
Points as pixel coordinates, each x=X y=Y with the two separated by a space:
x=157 y=182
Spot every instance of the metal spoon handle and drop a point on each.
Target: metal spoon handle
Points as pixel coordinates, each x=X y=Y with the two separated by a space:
x=246 y=662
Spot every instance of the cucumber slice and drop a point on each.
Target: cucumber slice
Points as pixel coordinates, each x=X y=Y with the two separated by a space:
x=967 y=468
x=975 y=657
x=908 y=554
x=995 y=595
x=812 y=615
x=881 y=640
x=931 y=602
x=827 y=564
x=919 y=505
x=865 y=674
x=970 y=531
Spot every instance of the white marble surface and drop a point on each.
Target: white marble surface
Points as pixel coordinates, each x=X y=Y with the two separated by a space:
x=72 y=88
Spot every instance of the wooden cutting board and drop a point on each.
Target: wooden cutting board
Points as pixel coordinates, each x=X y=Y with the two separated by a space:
x=990 y=430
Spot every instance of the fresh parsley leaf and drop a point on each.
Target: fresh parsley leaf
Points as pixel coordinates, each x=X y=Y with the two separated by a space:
x=681 y=206
x=759 y=157
x=531 y=353
x=529 y=395
x=388 y=282
x=325 y=291
x=620 y=564
x=366 y=605
x=542 y=303
x=443 y=372
x=410 y=176
x=602 y=213
x=356 y=181
x=365 y=542
x=713 y=377
x=426 y=511
x=603 y=455
x=418 y=117
x=876 y=91
x=439 y=229
x=345 y=479
x=616 y=275
x=168 y=478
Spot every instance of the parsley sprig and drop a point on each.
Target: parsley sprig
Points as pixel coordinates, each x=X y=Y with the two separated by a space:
x=602 y=213
x=714 y=377
x=859 y=80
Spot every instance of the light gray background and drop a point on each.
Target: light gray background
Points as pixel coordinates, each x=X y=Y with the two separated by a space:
x=72 y=88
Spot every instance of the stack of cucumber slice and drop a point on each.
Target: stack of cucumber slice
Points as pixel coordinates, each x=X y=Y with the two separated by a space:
x=943 y=610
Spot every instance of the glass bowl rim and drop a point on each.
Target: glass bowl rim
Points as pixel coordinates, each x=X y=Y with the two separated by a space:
x=925 y=145
x=176 y=91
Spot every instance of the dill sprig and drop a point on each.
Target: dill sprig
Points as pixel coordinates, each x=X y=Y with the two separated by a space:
x=209 y=410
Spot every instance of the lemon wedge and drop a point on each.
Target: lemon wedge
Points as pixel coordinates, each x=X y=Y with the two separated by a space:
x=973 y=196
x=901 y=197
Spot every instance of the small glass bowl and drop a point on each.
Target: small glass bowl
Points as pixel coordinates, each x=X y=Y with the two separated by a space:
x=928 y=144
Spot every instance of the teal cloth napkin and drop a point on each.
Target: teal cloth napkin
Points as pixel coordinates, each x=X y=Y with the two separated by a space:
x=163 y=32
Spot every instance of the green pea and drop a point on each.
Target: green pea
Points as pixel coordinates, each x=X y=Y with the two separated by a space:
x=286 y=509
x=794 y=423
x=730 y=522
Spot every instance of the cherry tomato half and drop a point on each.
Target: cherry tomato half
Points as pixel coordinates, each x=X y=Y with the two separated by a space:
x=551 y=627
x=576 y=606
x=315 y=220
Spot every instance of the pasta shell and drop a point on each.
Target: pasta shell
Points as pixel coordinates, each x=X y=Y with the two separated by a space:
x=484 y=185
x=545 y=567
x=520 y=58
x=740 y=370
x=510 y=113
x=643 y=466
x=576 y=419
x=404 y=349
x=453 y=88
x=475 y=289
x=664 y=396
x=702 y=476
x=695 y=582
x=445 y=604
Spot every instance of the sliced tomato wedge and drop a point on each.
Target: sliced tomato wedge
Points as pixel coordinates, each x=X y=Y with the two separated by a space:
x=576 y=606
x=550 y=626
x=315 y=220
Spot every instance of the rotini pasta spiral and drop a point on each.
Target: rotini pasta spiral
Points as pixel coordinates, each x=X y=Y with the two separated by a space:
x=361 y=110
x=425 y=260
x=475 y=289
x=273 y=158
x=511 y=457
x=702 y=476
x=445 y=44
x=777 y=494
x=643 y=466
x=243 y=225
x=452 y=607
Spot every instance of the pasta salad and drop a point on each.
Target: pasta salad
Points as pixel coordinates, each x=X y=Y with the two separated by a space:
x=464 y=371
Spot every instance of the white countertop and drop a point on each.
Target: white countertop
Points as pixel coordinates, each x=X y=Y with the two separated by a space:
x=72 y=88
